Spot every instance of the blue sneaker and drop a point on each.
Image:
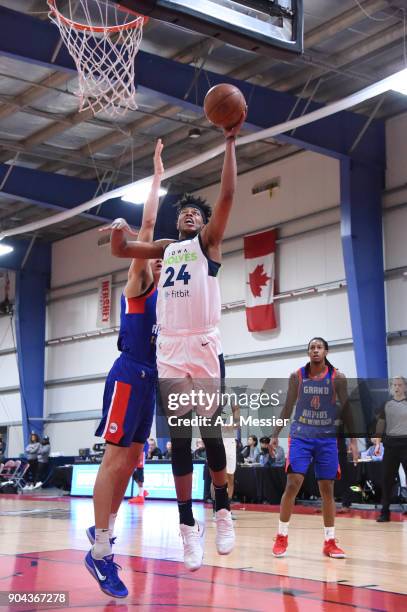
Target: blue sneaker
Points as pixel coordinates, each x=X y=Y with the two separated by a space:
x=90 y=532
x=105 y=572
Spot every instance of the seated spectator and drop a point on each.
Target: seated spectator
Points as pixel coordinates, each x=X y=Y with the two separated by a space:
x=270 y=457
x=200 y=450
x=277 y=457
x=375 y=452
x=251 y=452
x=264 y=457
x=153 y=450
x=168 y=451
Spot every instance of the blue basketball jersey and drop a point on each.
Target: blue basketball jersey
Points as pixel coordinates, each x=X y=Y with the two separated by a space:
x=138 y=327
x=316 y=410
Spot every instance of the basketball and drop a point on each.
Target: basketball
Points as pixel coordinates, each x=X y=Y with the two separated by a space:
x=224 y=105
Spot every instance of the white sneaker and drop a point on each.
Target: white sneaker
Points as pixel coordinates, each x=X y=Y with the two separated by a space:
x=225 y=532
x=193 y=548
x=38 y=485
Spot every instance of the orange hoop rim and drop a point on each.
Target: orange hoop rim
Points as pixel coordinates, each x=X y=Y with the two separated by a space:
x=131 y=25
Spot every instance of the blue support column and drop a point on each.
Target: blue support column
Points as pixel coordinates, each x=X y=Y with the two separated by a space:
x=31 y=290
x=362 y=243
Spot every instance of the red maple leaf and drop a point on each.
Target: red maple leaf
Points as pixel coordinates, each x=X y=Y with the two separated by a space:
x=258 y=279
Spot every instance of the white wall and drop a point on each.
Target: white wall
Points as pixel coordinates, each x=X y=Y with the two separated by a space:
x=15 y=442
x=67 y=438
x=308 y=183
x=395 y=243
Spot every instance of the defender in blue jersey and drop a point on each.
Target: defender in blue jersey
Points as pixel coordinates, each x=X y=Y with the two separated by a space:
x=129 y=395
x=319 y=393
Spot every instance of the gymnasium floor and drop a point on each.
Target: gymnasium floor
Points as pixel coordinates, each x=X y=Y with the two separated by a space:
x=43 y=543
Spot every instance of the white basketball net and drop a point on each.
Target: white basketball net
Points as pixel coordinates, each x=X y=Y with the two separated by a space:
x=103 y=42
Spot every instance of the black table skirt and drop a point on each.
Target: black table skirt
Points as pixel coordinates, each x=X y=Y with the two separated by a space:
x=61 y=477
x=260 y=484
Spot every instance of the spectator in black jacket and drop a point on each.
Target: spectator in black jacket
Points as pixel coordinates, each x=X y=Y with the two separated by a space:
x=153 y=450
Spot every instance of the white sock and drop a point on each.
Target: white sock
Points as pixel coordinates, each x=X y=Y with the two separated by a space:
x=101 y=547
x=283 y=528
x=329 y=533
x=141 y=490
x=112 y=520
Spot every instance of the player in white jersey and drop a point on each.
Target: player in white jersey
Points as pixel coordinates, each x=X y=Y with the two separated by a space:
x=188 y=308
x=188 y=312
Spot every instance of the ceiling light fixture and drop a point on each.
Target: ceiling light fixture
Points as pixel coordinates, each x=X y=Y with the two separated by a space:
x=5 y=249
x=399 y=82
x=138 y=194
x=194 y=133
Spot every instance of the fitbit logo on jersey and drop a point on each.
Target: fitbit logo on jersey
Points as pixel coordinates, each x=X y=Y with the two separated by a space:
x=177 y=293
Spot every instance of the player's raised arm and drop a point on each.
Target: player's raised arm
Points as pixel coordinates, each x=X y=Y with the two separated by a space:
x=140 y=275
x=213 y=232
x=144 y=248
x=150 y=209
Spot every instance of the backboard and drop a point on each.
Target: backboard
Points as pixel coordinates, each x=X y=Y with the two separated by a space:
x=268 y=27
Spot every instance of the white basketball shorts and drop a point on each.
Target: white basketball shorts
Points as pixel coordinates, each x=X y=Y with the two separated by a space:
x=189 y=371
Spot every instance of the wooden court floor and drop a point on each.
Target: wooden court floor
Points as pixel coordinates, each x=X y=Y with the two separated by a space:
x=43 y=542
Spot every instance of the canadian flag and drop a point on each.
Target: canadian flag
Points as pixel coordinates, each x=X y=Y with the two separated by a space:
x=259 y=253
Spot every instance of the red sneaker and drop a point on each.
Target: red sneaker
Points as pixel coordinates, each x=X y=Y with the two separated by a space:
x=137 y=500
x=280 y=545
x=332 y=550
x=146 y=493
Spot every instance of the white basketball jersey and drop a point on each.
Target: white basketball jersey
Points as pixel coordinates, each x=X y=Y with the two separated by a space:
x=188 y=291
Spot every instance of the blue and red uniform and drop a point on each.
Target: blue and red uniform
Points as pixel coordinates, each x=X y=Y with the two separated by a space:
x=129 y=396
x=314 y=427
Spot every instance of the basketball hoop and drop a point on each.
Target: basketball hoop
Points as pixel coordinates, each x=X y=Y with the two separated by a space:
x=103 y=41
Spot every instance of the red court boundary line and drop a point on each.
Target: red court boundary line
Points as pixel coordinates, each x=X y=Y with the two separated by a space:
x=282 y=591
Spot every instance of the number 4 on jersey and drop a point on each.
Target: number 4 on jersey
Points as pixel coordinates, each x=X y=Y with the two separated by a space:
x=182 y=275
